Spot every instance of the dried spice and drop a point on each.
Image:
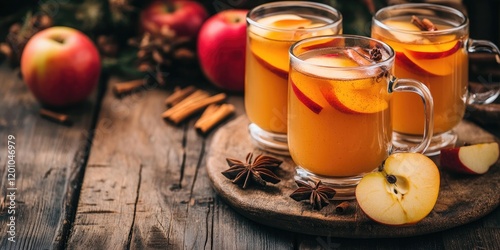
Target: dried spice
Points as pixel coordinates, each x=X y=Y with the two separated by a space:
x=319 y=195
x=260 y=171
x=375 y=54
x=165 y=52
x=424 y=24
x=20 y=33
x=56 y=117
x=342 y=207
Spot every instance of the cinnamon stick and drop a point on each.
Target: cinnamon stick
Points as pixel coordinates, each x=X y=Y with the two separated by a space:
x=429 y=25
x=423 y=25
x=189 y=106
x=123 y=88
x=354 y=55
x=362 y=60
x=56 y=117
x=342 y=207
x=178 y=95
x=192 y=98
x=363 y=53
x=213 y=115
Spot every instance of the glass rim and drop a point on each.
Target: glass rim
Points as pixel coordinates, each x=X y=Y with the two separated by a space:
x=389 y=60
x=313 y=5
x=421 y=6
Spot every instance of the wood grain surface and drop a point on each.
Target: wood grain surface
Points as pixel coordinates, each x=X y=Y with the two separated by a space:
x=50 y=160
x=462 y=199
x=122 y=178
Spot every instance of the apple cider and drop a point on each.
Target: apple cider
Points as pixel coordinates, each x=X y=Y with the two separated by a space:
x=339 y=122
x=272 y=28
x=340 y=92
x=267 y=67
x=438 y=60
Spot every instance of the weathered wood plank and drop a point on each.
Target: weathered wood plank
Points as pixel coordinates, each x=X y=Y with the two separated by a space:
x=146 y=186
x=121 y=149
x=49 y=164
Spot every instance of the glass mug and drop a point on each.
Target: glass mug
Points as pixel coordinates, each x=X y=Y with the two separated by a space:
x=271 y=29
x=438 y=59
x=339 y=120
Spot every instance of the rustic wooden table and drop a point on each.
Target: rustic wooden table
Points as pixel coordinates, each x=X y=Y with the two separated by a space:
x=122 y=178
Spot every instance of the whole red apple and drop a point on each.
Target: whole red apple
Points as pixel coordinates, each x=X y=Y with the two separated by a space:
x=221 y=49
x=184 y=17
x=61 y=66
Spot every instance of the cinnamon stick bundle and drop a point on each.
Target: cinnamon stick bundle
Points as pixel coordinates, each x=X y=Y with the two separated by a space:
x=213 y=115
x=178 y=95
x=190 y=105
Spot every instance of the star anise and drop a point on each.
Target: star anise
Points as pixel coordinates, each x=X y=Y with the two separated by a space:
x=319 y=195
x=376 y=54
x=259 y=171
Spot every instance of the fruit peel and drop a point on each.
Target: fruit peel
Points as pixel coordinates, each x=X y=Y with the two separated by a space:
x=308 y=102
x=474 y=159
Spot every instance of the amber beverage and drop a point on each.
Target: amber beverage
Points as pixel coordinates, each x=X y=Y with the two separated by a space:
x=339 y=116
x=272 y=28
x=431 y=44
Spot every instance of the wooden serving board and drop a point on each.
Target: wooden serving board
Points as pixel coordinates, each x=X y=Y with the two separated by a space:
x=462 y=198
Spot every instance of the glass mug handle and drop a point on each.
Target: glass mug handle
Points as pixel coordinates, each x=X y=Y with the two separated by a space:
x=414 y=86
x=483 y=46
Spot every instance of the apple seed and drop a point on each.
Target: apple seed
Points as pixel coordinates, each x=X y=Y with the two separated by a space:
x=391 y=179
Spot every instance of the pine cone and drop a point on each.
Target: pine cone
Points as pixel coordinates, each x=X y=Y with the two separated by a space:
x=19 y=34
x=165 y=54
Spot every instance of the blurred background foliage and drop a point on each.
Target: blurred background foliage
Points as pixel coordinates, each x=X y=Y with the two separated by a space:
x=119 y=18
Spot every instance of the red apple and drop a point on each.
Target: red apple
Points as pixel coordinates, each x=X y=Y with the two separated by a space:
x=61 y=66
x=472 y=159
x=221 y=49
x=184 y=17
x=312 y=105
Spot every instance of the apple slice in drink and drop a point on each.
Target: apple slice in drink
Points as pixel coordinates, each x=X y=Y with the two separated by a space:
x=349 y=100
x=277 y=70
x=308 y=102
x=349 y=92
x=403 y=193
x=403 y=61
x=423 y=66
x=318 y=44
x=266 y=21
x=399 y=31
x=434 y=51
x=292 y=23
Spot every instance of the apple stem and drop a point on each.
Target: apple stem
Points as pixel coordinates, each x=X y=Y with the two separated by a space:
x=381 y=167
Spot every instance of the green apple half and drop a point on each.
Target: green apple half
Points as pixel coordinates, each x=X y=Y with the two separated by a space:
x=403 y=192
